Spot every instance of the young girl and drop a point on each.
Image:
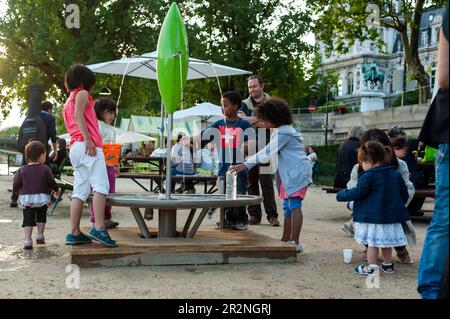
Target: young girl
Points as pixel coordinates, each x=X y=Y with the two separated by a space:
x=106 y=112
x=34 y=183
x=86 y=156
x=379 y=207
x=380 y=136
x=286 y=150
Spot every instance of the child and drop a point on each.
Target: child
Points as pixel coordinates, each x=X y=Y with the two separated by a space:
x=232 y=132
x=59 y=156
x=182 y=163
x=286 y=150
x=380 y=136
x=207 y=159
x=86 y=156
x=379 y=207
x=106 y=112
x=34 y=183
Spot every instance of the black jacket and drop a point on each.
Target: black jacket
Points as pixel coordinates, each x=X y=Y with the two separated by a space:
x=346 y=158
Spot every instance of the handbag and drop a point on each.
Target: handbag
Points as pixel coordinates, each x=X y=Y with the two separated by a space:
x=435 y=126
x=410 y=233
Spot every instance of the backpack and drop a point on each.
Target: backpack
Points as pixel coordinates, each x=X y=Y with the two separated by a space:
x=33 y=127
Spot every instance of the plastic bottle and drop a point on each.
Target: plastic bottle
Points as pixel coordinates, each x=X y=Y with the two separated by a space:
x=231 y=186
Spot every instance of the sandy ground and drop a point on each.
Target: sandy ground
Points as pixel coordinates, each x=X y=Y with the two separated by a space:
x=318 y=273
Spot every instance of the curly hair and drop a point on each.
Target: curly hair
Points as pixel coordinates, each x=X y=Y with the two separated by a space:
x=275 y=111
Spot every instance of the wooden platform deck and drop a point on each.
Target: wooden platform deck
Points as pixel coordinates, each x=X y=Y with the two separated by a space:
x=210 y=246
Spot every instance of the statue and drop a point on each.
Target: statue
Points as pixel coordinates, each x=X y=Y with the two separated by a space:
x=372 y=75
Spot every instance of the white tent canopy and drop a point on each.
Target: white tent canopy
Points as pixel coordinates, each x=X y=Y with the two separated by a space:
x=204 y=111
x=144 y=66
x=67 y=135
x=133 y=137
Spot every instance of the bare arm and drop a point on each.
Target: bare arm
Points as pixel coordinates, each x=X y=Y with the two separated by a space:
x=443 y=65
x=81 y=102
x=253 y=120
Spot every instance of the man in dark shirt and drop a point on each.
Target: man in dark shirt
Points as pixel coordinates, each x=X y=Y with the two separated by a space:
x=255 y=176
x=346 y=157
x=50 y=123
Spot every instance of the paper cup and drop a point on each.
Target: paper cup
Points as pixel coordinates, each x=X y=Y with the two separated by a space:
x=347 y=255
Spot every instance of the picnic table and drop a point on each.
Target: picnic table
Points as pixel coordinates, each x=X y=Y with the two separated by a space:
x=9 y=153
x=159 y=179
x=167 y=209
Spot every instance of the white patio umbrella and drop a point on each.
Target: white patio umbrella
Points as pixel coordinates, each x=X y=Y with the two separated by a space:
x=144 y=66
x=133 y=137
x=204 y=111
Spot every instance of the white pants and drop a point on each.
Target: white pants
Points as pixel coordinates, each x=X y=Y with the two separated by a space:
x=88 y=171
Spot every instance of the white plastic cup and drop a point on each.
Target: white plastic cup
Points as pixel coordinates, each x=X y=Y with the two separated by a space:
x=347 y=255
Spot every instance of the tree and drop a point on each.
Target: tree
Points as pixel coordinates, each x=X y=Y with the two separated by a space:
x=341 y=23
x=258 y=35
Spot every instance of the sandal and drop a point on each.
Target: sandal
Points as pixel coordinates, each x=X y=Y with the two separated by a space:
x=365 y=270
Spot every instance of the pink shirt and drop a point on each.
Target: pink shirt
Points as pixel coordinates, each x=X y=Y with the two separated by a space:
x=300 y=193
x=90 y=118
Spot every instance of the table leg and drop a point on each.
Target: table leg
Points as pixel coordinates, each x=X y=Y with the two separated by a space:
x=188 y=222
x=197 y=223
x=140 y=221
x=167 y=223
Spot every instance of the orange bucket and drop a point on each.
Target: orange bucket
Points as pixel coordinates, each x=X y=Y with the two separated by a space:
x=112 y=154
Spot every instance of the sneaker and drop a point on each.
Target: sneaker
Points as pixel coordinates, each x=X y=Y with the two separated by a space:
x=102 y=237
x=387 y=268
x=366 y=270
x=403 y=256
x=80 y=239
x=111 y=224
x=180 y=190
x=40 y=240
x=298 y=247
x=349 y=230
x=274 y=221
x=254 y=220
x=240 y=226
x=190 y=191
x=13 y=203
x=27 y=244
x=226 y=224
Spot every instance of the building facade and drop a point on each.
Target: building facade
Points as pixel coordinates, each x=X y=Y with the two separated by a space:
x=357 y=93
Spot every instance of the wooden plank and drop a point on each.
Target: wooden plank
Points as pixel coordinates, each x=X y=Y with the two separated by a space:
x=208 y=247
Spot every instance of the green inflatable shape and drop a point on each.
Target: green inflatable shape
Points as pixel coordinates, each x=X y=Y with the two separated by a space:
x=173 y=59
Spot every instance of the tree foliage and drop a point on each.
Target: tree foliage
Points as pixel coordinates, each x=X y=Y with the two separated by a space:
x=263 y=36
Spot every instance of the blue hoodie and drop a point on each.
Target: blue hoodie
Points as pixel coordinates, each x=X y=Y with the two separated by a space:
x=285 y=150
x=379 y=197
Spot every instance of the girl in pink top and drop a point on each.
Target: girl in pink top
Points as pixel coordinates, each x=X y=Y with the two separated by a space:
x=86 y=156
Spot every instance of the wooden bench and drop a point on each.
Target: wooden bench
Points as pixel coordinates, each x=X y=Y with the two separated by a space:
x=420 y=192
x=63 y=186
x=159 y=179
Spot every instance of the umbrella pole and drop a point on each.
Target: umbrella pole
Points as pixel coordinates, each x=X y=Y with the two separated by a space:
x=161 y=142
x=168 y=156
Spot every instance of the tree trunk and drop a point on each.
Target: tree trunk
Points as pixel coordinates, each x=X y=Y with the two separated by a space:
x=423 y=79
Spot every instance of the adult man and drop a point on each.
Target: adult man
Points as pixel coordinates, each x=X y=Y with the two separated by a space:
x=50 y=125
x=346 y=157
x=255 y=176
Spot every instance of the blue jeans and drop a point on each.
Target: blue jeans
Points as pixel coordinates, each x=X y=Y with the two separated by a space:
x=435 y=247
